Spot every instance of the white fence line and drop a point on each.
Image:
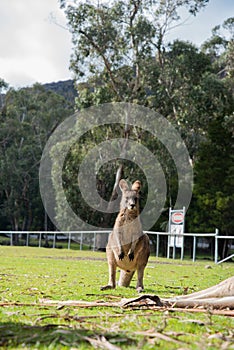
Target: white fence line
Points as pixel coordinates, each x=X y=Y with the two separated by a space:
x=81 y=234
x=69 y=235
x=194 y=235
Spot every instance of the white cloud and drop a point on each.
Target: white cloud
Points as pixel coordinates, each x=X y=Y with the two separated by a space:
x=32 y=48
x=35 y=50
x=198 y=29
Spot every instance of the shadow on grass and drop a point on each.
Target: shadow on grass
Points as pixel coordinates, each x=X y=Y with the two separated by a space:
x=19 y=335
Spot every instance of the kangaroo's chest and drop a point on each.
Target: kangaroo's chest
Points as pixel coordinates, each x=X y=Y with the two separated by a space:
x=127 y=220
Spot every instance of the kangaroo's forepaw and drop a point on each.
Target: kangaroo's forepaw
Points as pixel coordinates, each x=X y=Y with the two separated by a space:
x=107 y=287
x=121 y=256
x=131 y=256
x=140 y=289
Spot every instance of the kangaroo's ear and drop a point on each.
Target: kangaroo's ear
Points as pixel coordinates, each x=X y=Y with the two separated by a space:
x=123 y=185
x=136 y=186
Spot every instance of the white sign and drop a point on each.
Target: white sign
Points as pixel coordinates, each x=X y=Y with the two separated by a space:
x=176 y=228
x=177 y=232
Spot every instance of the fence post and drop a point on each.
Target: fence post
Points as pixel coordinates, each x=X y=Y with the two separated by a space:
x=27 y=239
x=81 y=240
x=40 y=240
x=94 y=241
x=182 y=249
x=69 y=241
x=168 y=247
x=54 y=240
x=216 y=245
x=157 y=248
x=174 y=248
x=194 y=247
x=11 y=239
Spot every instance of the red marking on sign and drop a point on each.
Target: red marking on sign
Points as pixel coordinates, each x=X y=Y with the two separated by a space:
x=177 y=218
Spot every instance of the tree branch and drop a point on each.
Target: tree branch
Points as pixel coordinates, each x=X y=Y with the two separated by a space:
x=107 y=64
x=134 y=44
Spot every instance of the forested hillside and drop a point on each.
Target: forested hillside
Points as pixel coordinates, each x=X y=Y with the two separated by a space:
x=120 y=54
x=64 y=88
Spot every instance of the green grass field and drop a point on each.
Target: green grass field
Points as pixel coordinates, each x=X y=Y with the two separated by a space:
x=29 y=275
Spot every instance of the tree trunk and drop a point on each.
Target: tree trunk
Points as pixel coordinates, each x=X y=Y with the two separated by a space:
x=101 y=239
x=15 y=227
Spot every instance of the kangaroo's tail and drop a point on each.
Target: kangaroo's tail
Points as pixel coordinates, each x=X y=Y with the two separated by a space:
x=125 y=278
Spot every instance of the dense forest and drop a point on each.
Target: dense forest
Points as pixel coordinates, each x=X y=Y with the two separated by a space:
x=120 y=54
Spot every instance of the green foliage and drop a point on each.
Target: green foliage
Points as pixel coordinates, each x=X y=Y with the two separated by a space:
x=220 y=47
x=213 y=194
x=115 y=43
x=120 y=53
x=189 y=93
x=27 y=119
x=119 y=49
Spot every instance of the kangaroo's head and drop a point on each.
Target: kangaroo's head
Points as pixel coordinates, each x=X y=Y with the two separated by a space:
x=130 y=197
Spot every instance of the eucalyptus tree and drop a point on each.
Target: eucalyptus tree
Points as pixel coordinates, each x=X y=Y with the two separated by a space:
x=115 y=43
x=28 y=117
x=119 y=55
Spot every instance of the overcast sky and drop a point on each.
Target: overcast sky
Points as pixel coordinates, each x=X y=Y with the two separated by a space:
x=34 y=49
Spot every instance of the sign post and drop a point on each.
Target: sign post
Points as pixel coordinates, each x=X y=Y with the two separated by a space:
x=176 y=230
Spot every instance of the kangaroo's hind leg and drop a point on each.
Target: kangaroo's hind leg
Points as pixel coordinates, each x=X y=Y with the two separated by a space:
x=112 y=272
x=140 y=275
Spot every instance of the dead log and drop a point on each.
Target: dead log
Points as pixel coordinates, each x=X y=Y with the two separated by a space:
x=214 y=303
x=220 y=296
x=223 y=289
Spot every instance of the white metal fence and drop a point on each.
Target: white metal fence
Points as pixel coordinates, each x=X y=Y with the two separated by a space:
x=89 y=238
x=79 y=237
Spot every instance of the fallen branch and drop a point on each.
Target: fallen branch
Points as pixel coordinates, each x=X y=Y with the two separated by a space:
x=215 y=303
x=219 y=299
x=78 y=303
x=223 y=289
x=101 y=342
x=143 y=298
x=160 y=336
x=220 y=296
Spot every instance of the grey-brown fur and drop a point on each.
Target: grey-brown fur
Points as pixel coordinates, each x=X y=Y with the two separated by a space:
x=128 y=247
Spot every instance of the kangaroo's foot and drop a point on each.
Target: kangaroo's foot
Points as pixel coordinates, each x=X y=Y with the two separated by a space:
x=140 y=289
x=108 y=286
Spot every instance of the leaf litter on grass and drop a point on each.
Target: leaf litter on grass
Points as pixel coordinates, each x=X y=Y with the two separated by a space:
x=29 y=275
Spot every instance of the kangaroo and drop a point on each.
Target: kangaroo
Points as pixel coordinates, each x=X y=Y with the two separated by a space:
x=127 y=247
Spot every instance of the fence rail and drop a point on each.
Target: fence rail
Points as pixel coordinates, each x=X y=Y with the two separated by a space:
x=80 y=237
x=66 y=235
x=194 y=235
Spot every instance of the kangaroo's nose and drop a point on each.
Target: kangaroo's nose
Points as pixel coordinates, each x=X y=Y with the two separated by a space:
x=132 y=206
